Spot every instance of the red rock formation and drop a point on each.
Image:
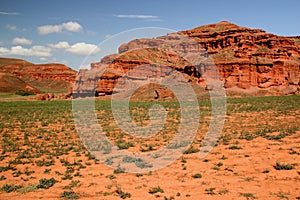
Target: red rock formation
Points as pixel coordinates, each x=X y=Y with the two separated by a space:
x=247 y=59
x=12 y=84
x=51 y=96
x=163 y=93
x=251 y=57
x=45 y=77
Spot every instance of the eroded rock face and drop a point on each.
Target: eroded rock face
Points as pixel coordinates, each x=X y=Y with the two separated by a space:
x=246 y=59
x=163 y=93
x=42 y=78
x=51 y=96
x=42 y=72
x=12 y=84
x=249 y=58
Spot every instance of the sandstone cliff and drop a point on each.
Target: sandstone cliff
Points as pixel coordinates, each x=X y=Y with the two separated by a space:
x=248 y=60
x=25 y=76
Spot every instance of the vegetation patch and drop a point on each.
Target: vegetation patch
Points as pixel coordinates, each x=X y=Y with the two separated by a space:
x=155 y=190
x=10 y=188
x=282 y=166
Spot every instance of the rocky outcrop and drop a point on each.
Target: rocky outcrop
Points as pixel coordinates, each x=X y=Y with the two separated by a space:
x=163 y=93
x=248 y=60
x=12 y=84
x=51 y=96
x=43 y=78
x=251 y=58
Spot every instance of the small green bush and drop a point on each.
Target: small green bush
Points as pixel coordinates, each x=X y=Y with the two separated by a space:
x=279 y=166
x=197 y=175
x=123 y=194
x=248 y=195
x=156 y=190
x=46 y=183
x=69 y=195
x=123 y=144
x=191 y=150
x=119 y=170
x=266 y=171
x=223 y=157
x=210 y=191
x=111 y=176
x=2 y=178
x=235 y=147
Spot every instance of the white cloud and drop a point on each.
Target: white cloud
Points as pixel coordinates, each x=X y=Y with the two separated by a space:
x=11 y=27
x=80 y=48
x=37 y=51
x=3 y=51
x=83 y=49
x=23 y=41
x=72 y=26
x=9 y=13
x=64 y=27
x=47 y=29
x=41 y=51
x=137 y=16
x=60 y=45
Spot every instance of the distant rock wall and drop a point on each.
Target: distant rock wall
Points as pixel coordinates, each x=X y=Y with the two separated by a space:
x=247 y=59
x=39 y=78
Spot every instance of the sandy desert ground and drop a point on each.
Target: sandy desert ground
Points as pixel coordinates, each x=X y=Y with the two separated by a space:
x=257 y=155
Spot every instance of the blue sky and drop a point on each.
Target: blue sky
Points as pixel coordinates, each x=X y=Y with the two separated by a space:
x=65 y=31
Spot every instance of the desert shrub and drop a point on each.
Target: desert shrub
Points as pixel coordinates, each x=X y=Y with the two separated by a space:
x=2 y=178
x=46 y=183
x=280 y=166
x=122 y=194
x=69 y=195
x=29 y=188
x=119 y=170
x=191 y=150
x=123 y=144
x=16 y=173
x=223 y=157
x=72 y=184
x=156 y=190
x=266 y=171
x=44 y=162
x=247 y=136
x=111 y=176
x=210 y=191
x=197 y=175
x=10 y=188
x=235 y=147
x=248 y=195
x=221 y=192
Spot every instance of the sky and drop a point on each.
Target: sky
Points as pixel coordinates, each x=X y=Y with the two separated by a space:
x=77 y=32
